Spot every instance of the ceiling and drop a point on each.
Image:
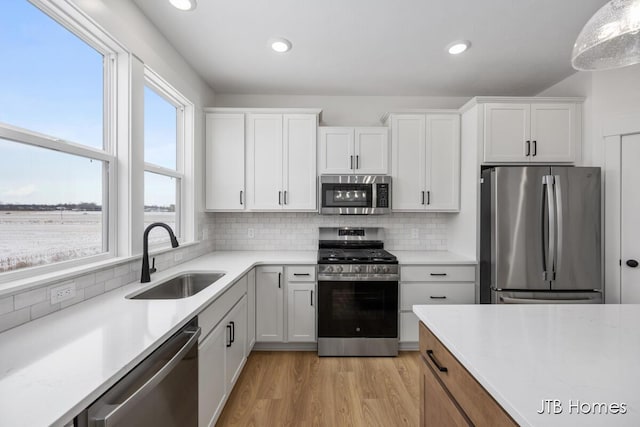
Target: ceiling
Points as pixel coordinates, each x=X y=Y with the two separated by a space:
x=376 y=47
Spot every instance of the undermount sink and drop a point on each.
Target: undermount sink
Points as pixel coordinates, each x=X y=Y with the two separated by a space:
x=182 y=286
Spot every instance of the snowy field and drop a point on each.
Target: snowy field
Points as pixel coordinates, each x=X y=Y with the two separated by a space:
x=34 y=238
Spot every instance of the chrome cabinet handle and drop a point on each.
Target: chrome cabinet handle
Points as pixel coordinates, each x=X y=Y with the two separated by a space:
x=435 y=361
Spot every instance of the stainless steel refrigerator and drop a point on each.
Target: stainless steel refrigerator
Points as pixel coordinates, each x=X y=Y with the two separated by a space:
x=540 y=235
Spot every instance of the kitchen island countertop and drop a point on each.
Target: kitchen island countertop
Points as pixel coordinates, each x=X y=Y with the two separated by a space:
x=580 y=355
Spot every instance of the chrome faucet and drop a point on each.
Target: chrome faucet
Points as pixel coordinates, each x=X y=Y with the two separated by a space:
x=146 y=271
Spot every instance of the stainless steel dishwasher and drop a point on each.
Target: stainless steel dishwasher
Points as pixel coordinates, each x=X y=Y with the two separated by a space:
x=160 y=391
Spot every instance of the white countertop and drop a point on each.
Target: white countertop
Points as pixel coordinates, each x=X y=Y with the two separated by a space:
x=431 y=257
x=55 y=366
x=522 y=354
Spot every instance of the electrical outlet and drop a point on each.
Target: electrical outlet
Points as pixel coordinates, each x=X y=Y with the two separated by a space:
x=251 y=233
x=177 y=256
x=63 y=293
x=415 y=233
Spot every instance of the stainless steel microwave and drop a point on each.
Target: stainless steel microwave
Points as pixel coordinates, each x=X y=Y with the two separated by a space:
x=355 y=194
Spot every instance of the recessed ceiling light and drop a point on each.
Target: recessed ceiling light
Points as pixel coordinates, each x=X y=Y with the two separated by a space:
x=458 y=47
x=280 y=45
x=183 y=4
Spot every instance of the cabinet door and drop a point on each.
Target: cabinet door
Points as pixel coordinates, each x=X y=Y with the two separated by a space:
x=300 y=162
x=301 y=312
x=553 y=132
x=408 y=146
x=236 y=352
x=251 y=310
x=336 y=151
x=269 y=304
x=212 y=385
x=372 y=151
x=443 y=162
x=224 y=187
x=264 y=143
x=506 y=132
x=437 y=408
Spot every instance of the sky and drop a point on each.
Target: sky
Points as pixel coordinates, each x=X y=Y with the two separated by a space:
x=51 y=82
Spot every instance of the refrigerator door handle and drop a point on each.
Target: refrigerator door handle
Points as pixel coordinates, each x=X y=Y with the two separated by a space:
x=548 y=183
x=515 y=300
x=557 y=189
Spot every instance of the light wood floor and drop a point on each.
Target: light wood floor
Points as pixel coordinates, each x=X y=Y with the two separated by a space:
x=302 y=389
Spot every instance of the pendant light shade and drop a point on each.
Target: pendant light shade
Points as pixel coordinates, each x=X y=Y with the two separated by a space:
x=611 y=38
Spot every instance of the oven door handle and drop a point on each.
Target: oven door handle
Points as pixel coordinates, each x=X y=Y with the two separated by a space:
x=107 y=414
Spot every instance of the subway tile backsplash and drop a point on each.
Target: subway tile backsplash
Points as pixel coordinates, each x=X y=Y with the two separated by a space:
x=299 y=231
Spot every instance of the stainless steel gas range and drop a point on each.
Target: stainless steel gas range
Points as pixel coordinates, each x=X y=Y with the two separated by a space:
x=357 y=294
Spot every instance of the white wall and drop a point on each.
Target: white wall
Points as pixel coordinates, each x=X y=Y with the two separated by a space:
x=343 y=110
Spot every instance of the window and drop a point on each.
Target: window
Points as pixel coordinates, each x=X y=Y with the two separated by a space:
x=164 y=142
x=55 y=162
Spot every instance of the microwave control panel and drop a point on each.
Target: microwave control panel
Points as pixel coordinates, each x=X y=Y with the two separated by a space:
x=383 y=196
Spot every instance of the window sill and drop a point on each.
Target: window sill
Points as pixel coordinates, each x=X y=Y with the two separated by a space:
x=27 y=283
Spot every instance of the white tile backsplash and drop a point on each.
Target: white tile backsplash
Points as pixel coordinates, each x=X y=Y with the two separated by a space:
x=299 y=231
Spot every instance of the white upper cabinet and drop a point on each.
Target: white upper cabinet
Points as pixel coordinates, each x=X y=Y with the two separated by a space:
x=507 y=130
x=264 y=141
x=347 y=150
x=299 y=173
x=426 y=162
x=336 y=150
x=553 y=132
x=530 y=133
x=225 y=187
x=281 y=162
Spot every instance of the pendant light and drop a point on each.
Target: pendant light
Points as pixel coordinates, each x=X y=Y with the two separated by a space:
x=611 y=38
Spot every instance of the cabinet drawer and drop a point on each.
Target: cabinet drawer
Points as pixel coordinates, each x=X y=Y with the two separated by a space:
x=438 y=273
x=436 y=293
x=301 y=273
x=213 y=314
x=474 y=400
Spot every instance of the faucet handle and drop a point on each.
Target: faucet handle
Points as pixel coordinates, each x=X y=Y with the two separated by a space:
x=153 y=266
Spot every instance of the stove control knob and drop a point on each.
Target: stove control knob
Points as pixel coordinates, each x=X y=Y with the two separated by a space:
x=385 y=269
x=374 y=268
x=329 y=269
x=339 y=269
x=357 y=269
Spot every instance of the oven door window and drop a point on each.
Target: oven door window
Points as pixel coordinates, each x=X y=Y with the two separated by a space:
x=347 y=195
x=358 y=309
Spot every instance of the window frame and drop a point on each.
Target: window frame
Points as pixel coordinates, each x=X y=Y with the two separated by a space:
x=183 y=173
x=73 y=20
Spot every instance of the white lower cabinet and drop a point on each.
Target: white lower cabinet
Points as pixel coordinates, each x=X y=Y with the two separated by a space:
x=270 y=304
x=301 y=311
x=221 y=350
x=432 y=284
x=286 y=304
